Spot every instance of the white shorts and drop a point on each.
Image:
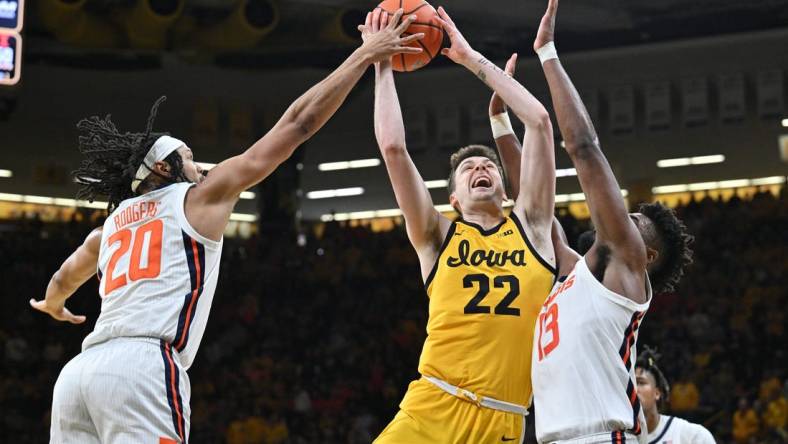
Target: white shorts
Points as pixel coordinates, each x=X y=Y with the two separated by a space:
x=125 y=390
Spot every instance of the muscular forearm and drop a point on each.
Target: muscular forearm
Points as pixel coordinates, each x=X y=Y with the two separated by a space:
x=389 y=127
x=573 y=120
x=529 y=110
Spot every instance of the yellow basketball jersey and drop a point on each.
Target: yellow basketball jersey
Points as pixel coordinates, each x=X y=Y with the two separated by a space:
x=485 y=292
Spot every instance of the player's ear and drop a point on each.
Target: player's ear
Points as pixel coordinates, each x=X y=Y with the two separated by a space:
x=651 y=255
x=454 y=202
x=161 y=167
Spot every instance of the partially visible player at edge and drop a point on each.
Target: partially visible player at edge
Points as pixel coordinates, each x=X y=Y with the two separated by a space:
x=157 y=258
x=486 y=274
x=654 y=392
x=584 y=347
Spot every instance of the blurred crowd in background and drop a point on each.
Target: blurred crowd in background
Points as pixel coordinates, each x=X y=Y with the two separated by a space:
x=317 y=343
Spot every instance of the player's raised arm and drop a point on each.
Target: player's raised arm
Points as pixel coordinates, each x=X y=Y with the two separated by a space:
x=413 y=198
x=537 y=178
x=509 y=148
x=301 y=120
x=75 y=271
x=608 y=210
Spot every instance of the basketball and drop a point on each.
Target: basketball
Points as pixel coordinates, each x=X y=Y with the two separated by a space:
x=425 y=22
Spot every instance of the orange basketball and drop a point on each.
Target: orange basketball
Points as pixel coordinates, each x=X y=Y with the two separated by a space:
x=425 y=22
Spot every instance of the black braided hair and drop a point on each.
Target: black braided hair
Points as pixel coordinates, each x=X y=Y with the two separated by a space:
x=647 y=360
x=112 y=158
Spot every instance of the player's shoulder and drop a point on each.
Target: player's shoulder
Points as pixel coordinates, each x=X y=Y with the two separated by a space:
x=693 y=433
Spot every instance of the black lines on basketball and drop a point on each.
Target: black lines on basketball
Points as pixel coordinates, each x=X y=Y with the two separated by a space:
x=404 y=66
x=426 y=50
x=415 y=9
x=427 y=24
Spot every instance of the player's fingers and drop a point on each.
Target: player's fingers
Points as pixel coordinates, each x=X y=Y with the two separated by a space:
x=510 y=64
x=368 y=21
x=411 y=38
x=409 y=50
x=376 y=20
x=38 y=305
x=66 y=315
x=362 y=29
x=446 y=27
x=445 y=16
x=404 y=25
x=76 y=319
x=394 y=21
x=552 y=6
x=384 y=20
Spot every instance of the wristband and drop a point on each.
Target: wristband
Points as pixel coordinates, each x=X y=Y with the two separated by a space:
x=501 y=125
x=547 y=52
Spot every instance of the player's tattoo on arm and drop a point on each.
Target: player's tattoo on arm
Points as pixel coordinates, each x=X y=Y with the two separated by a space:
x=481 y=75
x=484 y=62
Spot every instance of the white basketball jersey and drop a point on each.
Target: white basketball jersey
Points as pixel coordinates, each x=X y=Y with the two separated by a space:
x=157 y=274
x=673 y=430
x=583 y=361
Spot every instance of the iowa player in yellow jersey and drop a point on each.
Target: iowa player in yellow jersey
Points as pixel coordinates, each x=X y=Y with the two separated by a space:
x=486 y=274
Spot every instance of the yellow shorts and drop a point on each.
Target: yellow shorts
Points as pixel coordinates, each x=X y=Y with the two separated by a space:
x=430 y=415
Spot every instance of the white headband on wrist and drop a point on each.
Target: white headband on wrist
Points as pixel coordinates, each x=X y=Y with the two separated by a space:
x=547 y=52
x=163 y=147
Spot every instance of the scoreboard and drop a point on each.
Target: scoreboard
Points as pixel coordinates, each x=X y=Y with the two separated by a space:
x=11 y=21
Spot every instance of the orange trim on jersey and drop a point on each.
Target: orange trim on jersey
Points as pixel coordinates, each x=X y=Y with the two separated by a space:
x=174 y=388
x=189 y=312
x=630 y=338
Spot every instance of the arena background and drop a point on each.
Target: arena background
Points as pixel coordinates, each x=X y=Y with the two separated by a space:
x=319 y=315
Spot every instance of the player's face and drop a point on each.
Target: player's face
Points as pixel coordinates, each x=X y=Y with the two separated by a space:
x=647 y=389
x=191 y=170
x=477 y=179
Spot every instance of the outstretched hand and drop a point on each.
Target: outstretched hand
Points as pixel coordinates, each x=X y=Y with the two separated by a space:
x=459 y=50
x=382 y=35
x=61 y=313
x=497 y=105
x=546 y=32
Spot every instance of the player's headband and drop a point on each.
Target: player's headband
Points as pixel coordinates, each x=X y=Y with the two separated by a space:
x=163 y=147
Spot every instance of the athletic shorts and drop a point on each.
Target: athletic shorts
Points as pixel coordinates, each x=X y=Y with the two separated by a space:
x=125 y=390
x=430 y=415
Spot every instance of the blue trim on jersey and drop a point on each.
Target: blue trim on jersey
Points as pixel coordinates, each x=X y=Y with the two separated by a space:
x=664 y=431
x=618 y=437
x=182 y=332
x=166 y=355
x=629 y=339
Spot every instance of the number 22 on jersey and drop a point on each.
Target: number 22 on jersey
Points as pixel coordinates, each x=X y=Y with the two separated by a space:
x=145 y=238
x=548 y=322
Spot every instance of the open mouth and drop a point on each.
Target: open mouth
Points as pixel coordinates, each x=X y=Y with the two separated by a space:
x=481 y=182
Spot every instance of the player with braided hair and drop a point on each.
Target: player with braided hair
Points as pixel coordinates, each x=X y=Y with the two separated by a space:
x=157 y=259
x=112 y=159
x=654 y=392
